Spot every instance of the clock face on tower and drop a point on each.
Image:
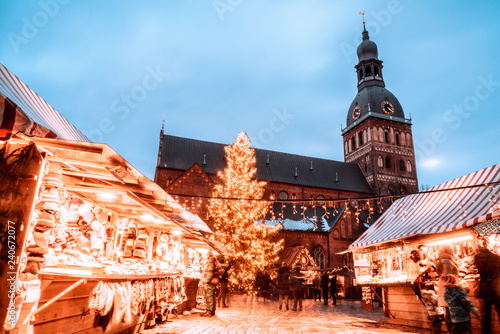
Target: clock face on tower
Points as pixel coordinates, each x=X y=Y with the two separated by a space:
x=356 y=112
x=387 y=108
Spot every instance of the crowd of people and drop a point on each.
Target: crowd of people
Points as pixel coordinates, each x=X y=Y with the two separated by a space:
x=447 y=299
x=289 y=284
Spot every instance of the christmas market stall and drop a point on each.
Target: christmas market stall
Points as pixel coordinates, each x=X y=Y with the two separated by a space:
x=88 y=243
x=408 y=237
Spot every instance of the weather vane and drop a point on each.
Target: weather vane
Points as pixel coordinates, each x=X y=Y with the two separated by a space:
x=363 y=13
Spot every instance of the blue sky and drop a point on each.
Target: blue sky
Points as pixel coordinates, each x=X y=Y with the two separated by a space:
x=283 y=71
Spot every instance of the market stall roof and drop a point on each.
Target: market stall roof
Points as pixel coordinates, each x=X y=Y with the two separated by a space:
x=23 y=110
x=456 y=204
x=97 y=173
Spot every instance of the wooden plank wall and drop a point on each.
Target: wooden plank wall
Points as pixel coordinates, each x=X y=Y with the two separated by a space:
x=406 y=309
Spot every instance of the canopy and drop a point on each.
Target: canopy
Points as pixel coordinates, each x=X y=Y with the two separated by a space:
x=23 y=110
x=97 y=173
x=463 y=202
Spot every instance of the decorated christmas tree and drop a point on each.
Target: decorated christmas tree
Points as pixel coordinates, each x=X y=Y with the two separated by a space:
x=237 y=211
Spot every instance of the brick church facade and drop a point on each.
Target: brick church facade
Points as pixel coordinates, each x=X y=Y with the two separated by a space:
x=316 y=201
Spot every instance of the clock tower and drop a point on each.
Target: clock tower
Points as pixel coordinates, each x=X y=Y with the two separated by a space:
x=377 y=135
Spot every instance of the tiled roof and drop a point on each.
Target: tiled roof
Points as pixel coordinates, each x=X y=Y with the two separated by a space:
x=308 y=219
x=181 y=153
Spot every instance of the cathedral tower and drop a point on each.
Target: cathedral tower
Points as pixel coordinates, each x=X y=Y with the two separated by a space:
x=377 y=135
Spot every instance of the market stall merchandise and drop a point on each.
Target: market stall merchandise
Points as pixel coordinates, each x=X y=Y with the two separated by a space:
x=408 y=237
x=93 y=244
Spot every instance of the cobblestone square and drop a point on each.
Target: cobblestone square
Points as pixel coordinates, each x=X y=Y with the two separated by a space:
x=246 y=315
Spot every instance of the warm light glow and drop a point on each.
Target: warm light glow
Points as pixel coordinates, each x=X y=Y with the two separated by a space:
x=177 y=232
x=147 y=217
x=450 y=240
x=107 y=195
x=159 y=221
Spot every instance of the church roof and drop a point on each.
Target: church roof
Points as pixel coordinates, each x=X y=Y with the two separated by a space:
x=181 y=153
x=305 y=219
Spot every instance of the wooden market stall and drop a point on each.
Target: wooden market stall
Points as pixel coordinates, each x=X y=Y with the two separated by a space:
x=92 y=245
x=453 y=213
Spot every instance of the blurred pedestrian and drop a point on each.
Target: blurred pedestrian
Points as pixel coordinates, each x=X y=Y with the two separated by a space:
x=283 y=284
x=317 y=287
x=459 y=305
x=488 y=266
x=333 y=289
x=425 y=289
x=445 y=265
x=222 y=301
x=211 y=279
x=263 y=284
x=296 y=287
x=325 y=280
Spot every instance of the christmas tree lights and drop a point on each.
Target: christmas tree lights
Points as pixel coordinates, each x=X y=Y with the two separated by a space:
x=252 y=245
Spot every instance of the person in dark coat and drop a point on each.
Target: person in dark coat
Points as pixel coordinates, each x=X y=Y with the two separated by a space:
x=488 y=266
x=283 y=284
x=333 y=289
x=325 y=280
x=224 y=281
x=297 y=288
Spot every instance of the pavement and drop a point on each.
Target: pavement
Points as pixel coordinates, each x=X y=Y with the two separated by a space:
x=255 y=315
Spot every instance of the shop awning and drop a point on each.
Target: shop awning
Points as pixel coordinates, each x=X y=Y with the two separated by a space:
x=97 y=173
x=460 y=203
x=23 y=110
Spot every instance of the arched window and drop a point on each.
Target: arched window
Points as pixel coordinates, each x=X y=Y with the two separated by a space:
x=408 y=140
x=397 y=139
x=283 y=195
x=377 y=74
x=319 y=257
x=386 y=136
x=368 y=71
x=345 y=147
x=381 y=134
x=353 y=143
x=401 y=165
x=360 y=138
x=387 y=162
x=272 y=196
x=336 y=234
x=361 y=74
x=403 y=141
x=342 y=229
x=380 y=161
x=408 y=166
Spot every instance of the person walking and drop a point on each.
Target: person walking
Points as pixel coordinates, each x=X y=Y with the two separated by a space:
x=459 y=305
x=211 y=279
x=283 y=285
x=222 y=301
x=317 y=287
x=296 y=287
x=333 y=289
x=425 y=289
x=446 y=265
x=325 y=280
x=488 y=266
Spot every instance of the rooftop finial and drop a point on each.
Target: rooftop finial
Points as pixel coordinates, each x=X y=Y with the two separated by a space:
x=163 y=125
x=365 y=33
x=363 y=13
